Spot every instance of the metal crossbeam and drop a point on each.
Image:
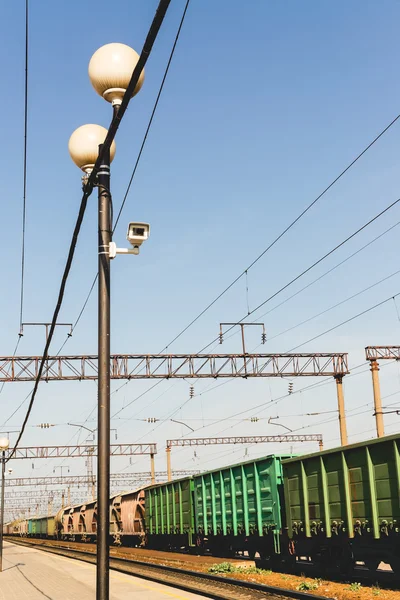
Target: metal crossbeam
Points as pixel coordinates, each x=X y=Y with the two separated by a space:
x=168 y=366
x=28 y=494
x=78 y=451
x=116 y=479
x=252 y=439
x=382 y=352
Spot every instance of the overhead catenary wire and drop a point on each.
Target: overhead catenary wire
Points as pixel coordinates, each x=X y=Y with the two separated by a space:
x=153 y=112
x=127 y=193
x=24 y=171
x=360 y=314
x=277 y=239
x=312 y=266
x=24 y=167
x=283 y=233
x=323 y=312
x=146 y=50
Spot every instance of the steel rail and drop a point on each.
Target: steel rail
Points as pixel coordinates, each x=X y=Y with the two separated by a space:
x=224 y=589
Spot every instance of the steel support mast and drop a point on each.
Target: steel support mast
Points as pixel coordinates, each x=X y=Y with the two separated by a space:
x=373 y=354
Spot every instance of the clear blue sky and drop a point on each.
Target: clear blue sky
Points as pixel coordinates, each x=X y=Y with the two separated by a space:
x=265 y=103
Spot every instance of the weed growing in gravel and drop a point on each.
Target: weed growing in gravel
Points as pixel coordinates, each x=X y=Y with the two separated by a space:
x=224 y=567
x=305 y=586
x=355 y=586
x=227 y=567
x=375 y=590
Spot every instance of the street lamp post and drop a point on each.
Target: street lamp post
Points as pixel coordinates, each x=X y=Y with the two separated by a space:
x=110 y=71
x=4 y=444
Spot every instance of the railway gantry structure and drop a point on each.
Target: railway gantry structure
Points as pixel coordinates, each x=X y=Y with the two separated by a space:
x=79 y=451
x=374 y=354
x=251 y=439
x=184 y=366
x=117 y=479
x=173 y=366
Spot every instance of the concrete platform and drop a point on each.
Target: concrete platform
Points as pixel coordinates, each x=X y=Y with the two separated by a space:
x=30 y=574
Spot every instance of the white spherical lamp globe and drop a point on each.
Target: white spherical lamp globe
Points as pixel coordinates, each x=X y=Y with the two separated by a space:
x=84 y=144
x=4 y=443
x=110 y=71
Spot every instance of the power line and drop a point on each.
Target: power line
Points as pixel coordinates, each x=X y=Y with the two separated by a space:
x=24 y=167
x=24 y=183
x=347 y=321
x=153 y=112
x=272 y=244
x=314 y=264
x=339 y=264
x=147 y=47
x=126 y=195
x=326 y=255
x=323 y=312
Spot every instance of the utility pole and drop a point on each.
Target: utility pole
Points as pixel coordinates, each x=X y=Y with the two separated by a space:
x=342 y=412
x=169 y=471
x=4 y=444
x=374 y=354
x=380 y=430
x=152 y=469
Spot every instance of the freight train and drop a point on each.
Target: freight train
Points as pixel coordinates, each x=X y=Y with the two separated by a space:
x=336 y=507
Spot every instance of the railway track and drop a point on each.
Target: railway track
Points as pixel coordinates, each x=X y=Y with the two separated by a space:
x=212 y=586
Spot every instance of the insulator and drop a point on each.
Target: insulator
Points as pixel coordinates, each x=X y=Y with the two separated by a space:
x=254 y=419
x=263 y=338
x=221 y=337
x=191 y=391
x=290 y=387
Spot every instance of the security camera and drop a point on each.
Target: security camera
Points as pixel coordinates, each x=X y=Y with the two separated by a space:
x=138 y=233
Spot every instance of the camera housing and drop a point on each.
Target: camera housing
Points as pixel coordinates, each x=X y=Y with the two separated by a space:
x=138 y=233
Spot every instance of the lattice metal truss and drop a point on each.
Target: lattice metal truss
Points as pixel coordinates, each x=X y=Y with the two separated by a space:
x=252 y=439
x=382 y=353
x=168 y=366
x=79 y=451
x=116 y=479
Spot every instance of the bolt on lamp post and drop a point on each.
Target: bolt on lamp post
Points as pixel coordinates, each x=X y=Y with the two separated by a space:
x=110 y=71
x=4 y=444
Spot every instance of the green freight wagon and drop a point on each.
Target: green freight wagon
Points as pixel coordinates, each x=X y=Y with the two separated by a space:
x=32 y=527
x=342 y=505
x=41 y=527
x=169 y=514
x=239 y=508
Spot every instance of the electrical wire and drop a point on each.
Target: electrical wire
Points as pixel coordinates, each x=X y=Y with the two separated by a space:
x=312 y=266
x=347 y=321
x=323 y=312
x=326 y=255
x=24 y=167
x=153 y=112
x=281 y=235
x=88 y=188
